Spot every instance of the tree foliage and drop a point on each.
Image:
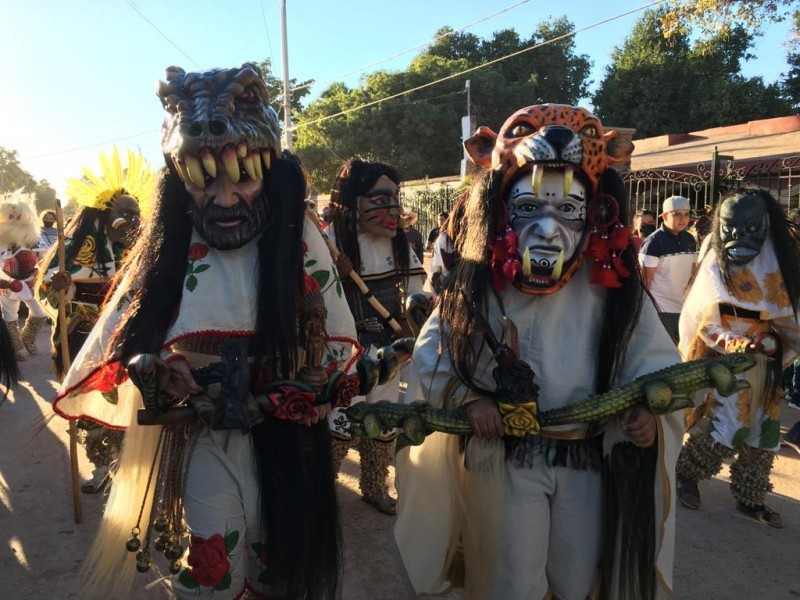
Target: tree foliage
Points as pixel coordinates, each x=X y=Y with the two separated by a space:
x=715 y=18
x=420 y=133
x=673 y=85
x=297 y=91
x=13 y=177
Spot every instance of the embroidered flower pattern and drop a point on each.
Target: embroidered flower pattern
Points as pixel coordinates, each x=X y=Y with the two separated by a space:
x=326 y=278
x=260 y=550
x=197 y=252
x=209 y=564
x=105 y=380
x=745 y=286
x=776 y=290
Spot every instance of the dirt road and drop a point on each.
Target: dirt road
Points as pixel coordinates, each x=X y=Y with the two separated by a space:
x=719 y=555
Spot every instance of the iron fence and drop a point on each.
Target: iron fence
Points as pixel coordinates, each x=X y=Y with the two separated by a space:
x=648 y=188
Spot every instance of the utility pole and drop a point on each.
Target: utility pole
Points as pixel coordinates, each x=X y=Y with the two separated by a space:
x=467 y=129
x=287 y=105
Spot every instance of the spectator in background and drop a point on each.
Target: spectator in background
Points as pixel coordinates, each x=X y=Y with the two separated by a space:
x=667 y=258
x=49 y=235
x=646 y=218
x=434 y=233
x=325 y=215
x=446 y=249
x=407 y=220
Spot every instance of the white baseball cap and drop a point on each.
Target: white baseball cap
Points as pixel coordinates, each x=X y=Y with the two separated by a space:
x=674 y=203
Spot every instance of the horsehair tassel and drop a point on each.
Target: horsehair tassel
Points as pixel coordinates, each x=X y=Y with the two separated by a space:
x=385 y=314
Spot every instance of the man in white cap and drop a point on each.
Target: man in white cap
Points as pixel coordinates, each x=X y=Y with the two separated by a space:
x=667 y=257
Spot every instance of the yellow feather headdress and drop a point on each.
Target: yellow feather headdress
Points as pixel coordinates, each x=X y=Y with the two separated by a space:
x=99 y=191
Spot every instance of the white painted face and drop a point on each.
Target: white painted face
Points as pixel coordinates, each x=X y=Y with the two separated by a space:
x=547 y=211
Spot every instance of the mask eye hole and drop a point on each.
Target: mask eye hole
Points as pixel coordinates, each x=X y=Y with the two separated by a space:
x=248 y=96
x=521 y=130
x=590 y=131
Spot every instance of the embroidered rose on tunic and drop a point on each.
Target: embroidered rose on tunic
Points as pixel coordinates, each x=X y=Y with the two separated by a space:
x=104 y=380
x=745 y=286
x=208 y=560
x=776 y=290
x=197 y=252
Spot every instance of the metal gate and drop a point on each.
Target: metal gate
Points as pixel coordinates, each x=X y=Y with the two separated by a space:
x=648 y=188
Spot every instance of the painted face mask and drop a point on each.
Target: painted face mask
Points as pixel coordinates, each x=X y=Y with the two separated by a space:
x=743 y=227
x=379 y=209
x=569 y=141
x=547 y=212
x=123 y=221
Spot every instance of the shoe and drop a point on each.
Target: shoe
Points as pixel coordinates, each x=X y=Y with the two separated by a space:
x=383 y=503
x=762 y=514
x=688 y=493
x=793 y=435
x=793 y=402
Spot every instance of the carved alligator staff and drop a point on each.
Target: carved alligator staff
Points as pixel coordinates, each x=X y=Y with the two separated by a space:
x=662 y=391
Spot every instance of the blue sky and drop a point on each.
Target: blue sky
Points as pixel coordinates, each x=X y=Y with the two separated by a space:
x=79 y=76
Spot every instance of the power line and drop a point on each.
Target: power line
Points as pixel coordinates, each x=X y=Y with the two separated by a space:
x=68 y=150
x=438 y=37
x=475 y=68
x=164 y=35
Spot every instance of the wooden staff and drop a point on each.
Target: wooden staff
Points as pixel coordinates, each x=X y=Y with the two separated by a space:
x=65 y=363
x=354 y=276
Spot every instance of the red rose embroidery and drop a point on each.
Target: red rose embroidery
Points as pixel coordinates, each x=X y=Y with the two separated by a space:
x=106 y=379
x=310 y=284
x=197 y=251
x=292 y=404
x=208 y=560
x=346 y=389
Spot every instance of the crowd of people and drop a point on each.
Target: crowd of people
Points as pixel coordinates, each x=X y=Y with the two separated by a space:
x=226 y=328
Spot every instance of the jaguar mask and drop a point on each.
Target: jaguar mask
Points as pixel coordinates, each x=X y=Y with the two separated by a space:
x=551 y=158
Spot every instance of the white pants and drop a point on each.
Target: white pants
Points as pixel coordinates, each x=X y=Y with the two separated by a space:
x=551 y=533
x=222 y=500
x=10 y=308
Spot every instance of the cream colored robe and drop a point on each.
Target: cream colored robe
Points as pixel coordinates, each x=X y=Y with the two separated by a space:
x=558 y=336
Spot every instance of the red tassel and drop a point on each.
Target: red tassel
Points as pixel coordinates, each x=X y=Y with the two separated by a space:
x=620 y=237
x=619 y=267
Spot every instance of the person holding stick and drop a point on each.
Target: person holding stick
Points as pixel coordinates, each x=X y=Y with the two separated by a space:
x=100 y=234
x=367 y=229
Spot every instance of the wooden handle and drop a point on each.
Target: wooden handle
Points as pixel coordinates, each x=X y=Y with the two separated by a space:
x=63 y=340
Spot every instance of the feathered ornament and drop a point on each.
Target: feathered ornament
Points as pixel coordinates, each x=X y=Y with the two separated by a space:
x=138 y=181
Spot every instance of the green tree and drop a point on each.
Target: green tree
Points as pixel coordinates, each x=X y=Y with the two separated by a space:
x=297 y=91
x=715 y=18
x=420 y=133
x=12 y=176
x=791 y=81
x=665 y=85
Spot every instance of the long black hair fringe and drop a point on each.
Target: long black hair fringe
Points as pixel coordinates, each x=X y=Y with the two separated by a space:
x=299 y=513
x=629 y=530
x=299 y=509
x=9 y=371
